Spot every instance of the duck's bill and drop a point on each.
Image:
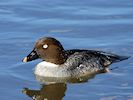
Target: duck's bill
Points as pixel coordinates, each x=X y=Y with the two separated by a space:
x=32 y=56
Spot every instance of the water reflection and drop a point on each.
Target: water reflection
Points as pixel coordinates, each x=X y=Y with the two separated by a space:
x=54 y=88
x=54 y=91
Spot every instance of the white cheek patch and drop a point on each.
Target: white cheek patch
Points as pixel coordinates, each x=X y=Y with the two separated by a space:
x=45 y=46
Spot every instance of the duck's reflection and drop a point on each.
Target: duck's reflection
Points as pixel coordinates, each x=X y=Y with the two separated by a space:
x=55 y=88
x=47 y=92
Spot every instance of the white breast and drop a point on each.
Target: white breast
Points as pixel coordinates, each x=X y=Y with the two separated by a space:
x=48 y=69
x=47 y=64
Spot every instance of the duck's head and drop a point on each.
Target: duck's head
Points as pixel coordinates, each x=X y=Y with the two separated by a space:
x=48 y=49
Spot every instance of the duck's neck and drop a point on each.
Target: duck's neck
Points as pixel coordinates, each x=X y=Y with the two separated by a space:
x=57 y=58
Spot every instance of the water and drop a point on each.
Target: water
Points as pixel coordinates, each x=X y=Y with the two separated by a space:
x=94 y=24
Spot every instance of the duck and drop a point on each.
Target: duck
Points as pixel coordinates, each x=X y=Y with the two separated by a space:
x=58 y=62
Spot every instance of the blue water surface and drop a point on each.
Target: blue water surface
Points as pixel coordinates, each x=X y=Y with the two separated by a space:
x=85 y=24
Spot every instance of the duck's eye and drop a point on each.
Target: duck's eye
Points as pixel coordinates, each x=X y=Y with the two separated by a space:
x=45 y=46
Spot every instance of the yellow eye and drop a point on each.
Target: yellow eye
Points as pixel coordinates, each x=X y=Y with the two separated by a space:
x=45 y=46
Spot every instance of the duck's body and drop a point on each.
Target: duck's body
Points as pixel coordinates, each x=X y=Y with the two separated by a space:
x=68 y=63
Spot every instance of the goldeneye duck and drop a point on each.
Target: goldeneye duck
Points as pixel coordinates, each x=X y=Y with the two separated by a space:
x=58 y=62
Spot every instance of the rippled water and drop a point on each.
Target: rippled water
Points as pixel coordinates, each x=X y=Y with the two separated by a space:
x=94 y=24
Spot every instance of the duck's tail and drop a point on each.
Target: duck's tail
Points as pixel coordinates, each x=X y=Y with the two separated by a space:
x=112 y=58
x=117 y=58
